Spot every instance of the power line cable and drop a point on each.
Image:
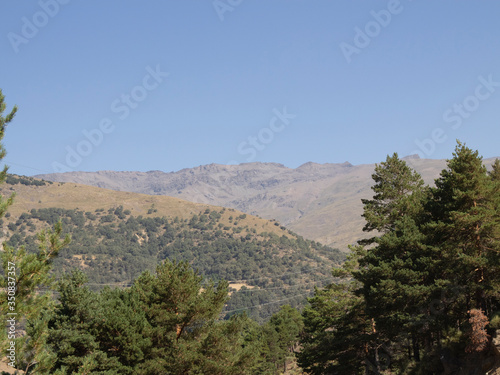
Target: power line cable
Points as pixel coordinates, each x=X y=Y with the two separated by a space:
x=25 y=166
x=274 y=276
x=281 y=287
x=268 y=303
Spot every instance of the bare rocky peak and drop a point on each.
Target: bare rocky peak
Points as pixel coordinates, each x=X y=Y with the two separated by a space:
x=411 y=157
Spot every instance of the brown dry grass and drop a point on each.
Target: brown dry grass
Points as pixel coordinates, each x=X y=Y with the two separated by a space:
x=90 y=198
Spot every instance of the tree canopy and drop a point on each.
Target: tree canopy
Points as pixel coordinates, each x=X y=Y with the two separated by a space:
x=426 y=287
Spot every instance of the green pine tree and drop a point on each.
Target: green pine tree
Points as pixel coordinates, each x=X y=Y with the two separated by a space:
x=23 y=275
x=102 y=331
x=495 y=171
x=465 y=228
x=282 y=335
x=337 y=333
x=436 y=260
x=185 y=330
x=392 y=272
x=398 y=190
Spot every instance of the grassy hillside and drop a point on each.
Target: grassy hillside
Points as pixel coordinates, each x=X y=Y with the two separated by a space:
x=32 y=193
x=118 y=235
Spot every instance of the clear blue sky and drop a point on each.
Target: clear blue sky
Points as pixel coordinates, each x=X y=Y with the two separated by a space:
x=351 y=81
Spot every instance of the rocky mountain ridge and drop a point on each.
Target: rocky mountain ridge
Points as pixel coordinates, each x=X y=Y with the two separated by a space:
x=321 y=202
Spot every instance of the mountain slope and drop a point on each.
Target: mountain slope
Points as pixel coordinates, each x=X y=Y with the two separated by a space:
x=118 y=235
x=88 y=198
x=321 y=202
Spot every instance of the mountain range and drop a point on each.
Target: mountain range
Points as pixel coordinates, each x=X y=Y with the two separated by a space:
x=321 y=202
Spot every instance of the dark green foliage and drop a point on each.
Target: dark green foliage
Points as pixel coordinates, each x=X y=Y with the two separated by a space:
x=398 y=192
x=117 y=248
x=31 y=304
x=466 y=227
x=437 y=259
x=152 y=209
x=281 y=335
x=495 y=172
x=12 y=179
x=336 y=332
x=167 y=323
x=104 y=330
x=179 y=311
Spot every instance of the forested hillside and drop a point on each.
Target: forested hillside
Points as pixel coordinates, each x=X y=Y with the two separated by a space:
x=113 y=247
